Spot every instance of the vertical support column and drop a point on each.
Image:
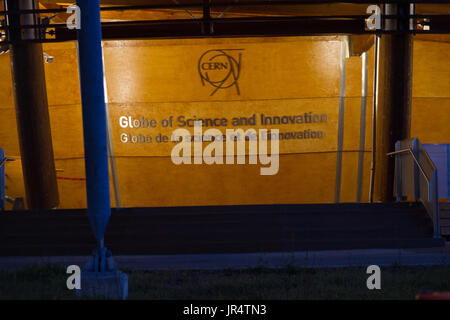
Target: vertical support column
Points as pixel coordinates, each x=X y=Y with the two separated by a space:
x=94 y=117
x=398 y=173
x=33 y=121
x=207 y=27
x=376 y=64
x=362 y=125
x=340 y=143
x=394 y=111
x=112 y=158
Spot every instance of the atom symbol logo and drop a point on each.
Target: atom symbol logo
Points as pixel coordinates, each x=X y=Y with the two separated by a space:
x=220 y=69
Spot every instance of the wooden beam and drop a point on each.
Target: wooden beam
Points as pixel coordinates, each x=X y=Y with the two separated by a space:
x=395 y=100
x=61 y=17
x=222 y=28
x=33 y=120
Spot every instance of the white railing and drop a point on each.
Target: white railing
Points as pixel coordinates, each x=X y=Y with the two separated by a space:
x=416 y=176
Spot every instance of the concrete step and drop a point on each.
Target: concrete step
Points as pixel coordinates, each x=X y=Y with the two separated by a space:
x=444 y=214
x=445 y=231
x=221 y=229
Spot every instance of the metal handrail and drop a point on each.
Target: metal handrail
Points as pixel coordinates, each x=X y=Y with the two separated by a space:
x=418 y=165
x=430 y=161
x=431 y=202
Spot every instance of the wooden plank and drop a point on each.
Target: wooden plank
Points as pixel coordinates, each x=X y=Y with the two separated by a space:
x=395 y=103
x=33 y=120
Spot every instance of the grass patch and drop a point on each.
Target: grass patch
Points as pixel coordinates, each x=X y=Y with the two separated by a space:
x=290 y=283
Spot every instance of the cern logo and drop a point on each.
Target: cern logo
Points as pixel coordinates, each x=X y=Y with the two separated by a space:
x=220 y=68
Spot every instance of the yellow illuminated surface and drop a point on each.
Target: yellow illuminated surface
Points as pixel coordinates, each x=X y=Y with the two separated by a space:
x=156 y=79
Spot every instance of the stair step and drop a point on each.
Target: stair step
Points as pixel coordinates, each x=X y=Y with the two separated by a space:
x=444 y=214
x=445 y=222
x=445 y=231
x=179 y=230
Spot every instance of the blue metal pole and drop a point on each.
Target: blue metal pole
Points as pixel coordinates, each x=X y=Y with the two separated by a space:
x=101 y=277
x=94 y=117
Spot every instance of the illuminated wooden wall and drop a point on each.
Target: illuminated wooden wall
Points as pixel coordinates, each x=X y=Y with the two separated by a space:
x=279 y=76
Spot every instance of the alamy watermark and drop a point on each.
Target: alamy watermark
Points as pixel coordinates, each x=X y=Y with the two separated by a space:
x=374 y=21
x=74 y=20
x=374 y=280
x=214 y=152
x=74 y=278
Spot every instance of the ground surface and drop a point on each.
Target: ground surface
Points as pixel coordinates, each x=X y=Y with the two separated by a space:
x=49 y=282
